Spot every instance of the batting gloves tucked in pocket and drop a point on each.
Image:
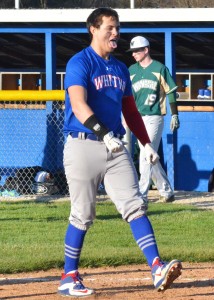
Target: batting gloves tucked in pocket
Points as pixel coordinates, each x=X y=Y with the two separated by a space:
x=112 y=143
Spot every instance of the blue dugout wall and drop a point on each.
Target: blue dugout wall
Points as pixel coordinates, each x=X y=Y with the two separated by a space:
x=193 y=150
x=187 y=155
x=31 y=137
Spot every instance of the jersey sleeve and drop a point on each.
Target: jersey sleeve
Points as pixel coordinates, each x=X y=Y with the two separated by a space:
x=168 y=84
x=128 y=89
x=131 y=75
x=76 y=72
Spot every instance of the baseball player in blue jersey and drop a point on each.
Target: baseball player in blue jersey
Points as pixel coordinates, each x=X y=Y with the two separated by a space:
x=98 y=91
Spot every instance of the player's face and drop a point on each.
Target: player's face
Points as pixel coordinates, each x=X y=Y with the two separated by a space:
x=105 y=37
x=140 y=55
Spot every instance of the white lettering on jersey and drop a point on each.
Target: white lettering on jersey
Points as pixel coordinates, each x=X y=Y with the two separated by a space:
x=121 y=84
x=144 y=83
x=109 y=80
x=150 y=100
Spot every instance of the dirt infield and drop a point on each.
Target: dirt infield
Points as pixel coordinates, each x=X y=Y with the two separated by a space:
x=120 y=283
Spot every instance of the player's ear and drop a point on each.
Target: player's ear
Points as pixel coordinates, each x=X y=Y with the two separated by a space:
x=147 y=49
x=92 y=30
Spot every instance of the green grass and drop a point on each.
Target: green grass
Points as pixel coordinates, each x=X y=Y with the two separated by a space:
x=32 y=235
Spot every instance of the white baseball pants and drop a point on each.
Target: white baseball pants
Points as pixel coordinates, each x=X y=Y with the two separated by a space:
x=87 y=163
x=154 y=126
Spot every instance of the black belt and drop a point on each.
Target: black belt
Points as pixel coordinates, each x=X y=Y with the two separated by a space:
x=89 y=136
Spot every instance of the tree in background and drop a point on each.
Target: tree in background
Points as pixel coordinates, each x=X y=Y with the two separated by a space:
x=105 y=3
x=172 y=3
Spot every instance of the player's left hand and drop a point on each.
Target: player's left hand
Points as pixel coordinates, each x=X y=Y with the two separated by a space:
x=175 y=123
x=151 y=155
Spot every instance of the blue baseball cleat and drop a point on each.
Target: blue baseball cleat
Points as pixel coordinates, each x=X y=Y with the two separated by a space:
x=163 y=274
x=71 y=285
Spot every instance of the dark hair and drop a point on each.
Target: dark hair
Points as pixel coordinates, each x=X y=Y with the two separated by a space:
x=95 y=18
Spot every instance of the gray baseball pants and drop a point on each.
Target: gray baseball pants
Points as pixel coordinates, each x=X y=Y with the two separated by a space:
x=154 y=126
x=87 y=163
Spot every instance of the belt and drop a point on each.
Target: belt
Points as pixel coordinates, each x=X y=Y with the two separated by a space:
x=89 y=136
x=84 y=136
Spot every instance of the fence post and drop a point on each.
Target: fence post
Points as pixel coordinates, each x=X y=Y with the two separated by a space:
x=17 y=4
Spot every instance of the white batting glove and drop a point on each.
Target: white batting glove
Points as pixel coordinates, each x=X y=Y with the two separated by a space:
x=175 y=123
x=151 y=155
x=112 y=143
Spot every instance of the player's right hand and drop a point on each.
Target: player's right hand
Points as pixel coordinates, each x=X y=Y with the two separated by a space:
x=151 y=155
x=112 y=143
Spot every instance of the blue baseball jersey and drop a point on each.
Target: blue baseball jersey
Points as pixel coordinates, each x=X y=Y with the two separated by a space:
x=106 y=82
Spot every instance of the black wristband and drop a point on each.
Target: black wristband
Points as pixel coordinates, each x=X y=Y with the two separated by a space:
x=96 y=126
x=173 y=107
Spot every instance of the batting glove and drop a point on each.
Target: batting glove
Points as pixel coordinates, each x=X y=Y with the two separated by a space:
x=175 y=123
x=112 y=143
x=151 y=155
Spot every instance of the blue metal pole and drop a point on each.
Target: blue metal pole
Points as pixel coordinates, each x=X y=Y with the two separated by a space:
x=170 y=137
x=50 y=60
x=50 y=151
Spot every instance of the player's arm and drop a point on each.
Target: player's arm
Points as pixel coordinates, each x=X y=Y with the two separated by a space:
x=168 y=81
x=134 y=120
x=83 y=112
x=78 y=99
x=175 y=123
x=137 y=126
x=173 y=103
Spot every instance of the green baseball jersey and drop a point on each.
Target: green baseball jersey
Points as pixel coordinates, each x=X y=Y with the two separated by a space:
x=150 y=86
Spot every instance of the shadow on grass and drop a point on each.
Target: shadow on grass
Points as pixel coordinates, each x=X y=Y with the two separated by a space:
x=176 y=209
x=153 y=211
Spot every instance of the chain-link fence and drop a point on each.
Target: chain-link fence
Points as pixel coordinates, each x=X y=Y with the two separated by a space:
x=31 y=151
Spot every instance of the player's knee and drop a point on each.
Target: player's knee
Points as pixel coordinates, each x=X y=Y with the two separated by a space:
x=136 y=213
x=81 y=226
